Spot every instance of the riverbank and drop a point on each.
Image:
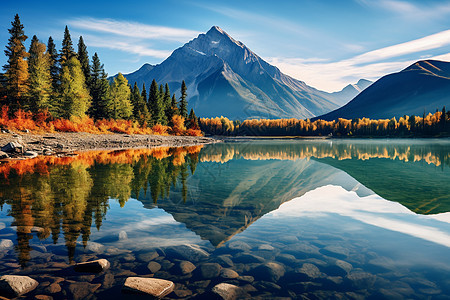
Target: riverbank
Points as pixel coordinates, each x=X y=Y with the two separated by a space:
x=67 y=143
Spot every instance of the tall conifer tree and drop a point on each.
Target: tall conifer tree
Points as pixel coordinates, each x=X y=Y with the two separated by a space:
x=99 y=88
x=120 y=106
x=83 y=57
x=183 y=101
x=40 y=81
x=54 y=63
x=16 y=68
x=67 y=51
x=144 y=93
x=75 y=98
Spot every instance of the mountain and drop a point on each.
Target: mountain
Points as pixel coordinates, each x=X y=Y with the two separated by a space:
x=422 y=87
x=350 y=91
x=224 y=77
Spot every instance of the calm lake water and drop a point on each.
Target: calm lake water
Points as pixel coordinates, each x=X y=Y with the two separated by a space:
x=344 y=219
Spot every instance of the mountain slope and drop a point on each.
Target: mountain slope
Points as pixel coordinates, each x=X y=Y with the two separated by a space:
x=350 y=91
x=422 y=87
x=224 y=77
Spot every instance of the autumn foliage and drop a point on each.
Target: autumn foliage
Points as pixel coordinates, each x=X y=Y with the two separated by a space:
x=437 y=124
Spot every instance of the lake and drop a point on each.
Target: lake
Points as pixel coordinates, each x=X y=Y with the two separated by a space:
x=310 y=219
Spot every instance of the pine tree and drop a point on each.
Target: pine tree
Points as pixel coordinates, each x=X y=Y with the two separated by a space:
x=99 y=88
x=144 y=93
x=162 y=105
x=140 y=110
x=192 y=121
x=75 y=98
x=40 y=81
x=120 y=106
x=54 y=63
x=183 y=101
x=167 y=103
x=83 y=57
x=67 y=51
x=155 y=104
x=16 y=68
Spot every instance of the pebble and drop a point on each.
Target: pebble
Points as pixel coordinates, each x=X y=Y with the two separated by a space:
x=95 y=266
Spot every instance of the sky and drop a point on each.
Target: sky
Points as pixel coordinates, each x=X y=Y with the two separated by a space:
x=327 y=44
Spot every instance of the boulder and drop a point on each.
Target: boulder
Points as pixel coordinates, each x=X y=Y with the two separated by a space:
x=228 y=274
x=270 y=271
x=95 y=266
x=12 y=147
x=157 y=288
x=210 y=270
x=185 y=267
x=3 y=155
x=14 y=285
x=188 y=252
x=153 y=267
x=227 y=291
x=6 y=244
x=94 y=247
x=308 y=271
x=147 y=256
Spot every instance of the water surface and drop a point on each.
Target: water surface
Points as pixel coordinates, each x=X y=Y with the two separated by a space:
x=316 y=219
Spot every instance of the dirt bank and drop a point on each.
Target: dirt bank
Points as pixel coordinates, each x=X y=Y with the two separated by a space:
x=66 y=143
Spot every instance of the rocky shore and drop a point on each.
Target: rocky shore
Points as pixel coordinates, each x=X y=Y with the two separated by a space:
x=29 y=145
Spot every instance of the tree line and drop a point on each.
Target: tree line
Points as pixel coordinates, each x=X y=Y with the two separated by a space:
x=437 y=124
x=68 y=85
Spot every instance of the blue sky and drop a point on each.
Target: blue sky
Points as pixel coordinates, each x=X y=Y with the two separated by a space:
x=327 y=44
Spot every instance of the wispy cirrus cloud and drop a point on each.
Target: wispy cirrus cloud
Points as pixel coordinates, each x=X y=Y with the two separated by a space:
x=132 y=29
x=411 y=10
x=131 y=37
x=332 y=76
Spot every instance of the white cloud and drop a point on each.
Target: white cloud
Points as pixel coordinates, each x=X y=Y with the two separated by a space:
x=133 y=29
x=332 y=76
x=411 y=11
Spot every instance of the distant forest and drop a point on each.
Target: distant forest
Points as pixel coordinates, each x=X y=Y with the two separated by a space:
x=436 y=125
x=65 y=91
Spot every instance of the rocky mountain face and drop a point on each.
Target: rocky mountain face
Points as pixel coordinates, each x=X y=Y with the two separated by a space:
x=225 y=78
x=422 y=87
x=350 y=91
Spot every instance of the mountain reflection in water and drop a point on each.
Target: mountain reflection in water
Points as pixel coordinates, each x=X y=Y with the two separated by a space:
x=217 y=191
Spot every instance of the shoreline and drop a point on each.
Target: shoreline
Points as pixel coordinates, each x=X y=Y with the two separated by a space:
x=66 y=143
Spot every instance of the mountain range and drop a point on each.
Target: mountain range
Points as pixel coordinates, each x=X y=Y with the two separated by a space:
x=225 y=78
x=421 y=88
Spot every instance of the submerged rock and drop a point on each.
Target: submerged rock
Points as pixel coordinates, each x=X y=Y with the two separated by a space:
x=228 y=274
x=269 y=271
x=6 y=244
x=95 y=266
x=187 y=252
x=185 y=267
x=210 y=270
x=153 y=267
x=81 y=290
x=361 y=280
x=308 y=271
x=150 y=286
x=14 y=285
x=239 y=246
x=227 y=291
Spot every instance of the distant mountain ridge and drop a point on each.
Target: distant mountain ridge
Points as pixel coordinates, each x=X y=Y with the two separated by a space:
x=422 y=87
x=225 y=78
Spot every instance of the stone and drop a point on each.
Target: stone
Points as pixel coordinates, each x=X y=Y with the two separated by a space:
x=95 y=266
x=43 y=297
x=361 y=280
x=302 y=250
x=81 y=290
x=347 y=267
x=227 y=291
x=247 y=258
x=224 y=261
x=123 y=235
x=270 y=271
x=210 y=270
x=188 y=252
x=246 y=278
x=147 y=256
x=308 y=271
x=154 y=267
x=268 y=286
x=6 y=244
x=94 y=247
x=12 y=147
x=157 y=288
x=335 y=251
x=53 y=288
x=286 y=259
x=182 y=293
x=228 y=274
x=185 y=267
x=239 y=246
x=30 y=154
x=15 y=285
x=266 y=247
x=3 y=155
